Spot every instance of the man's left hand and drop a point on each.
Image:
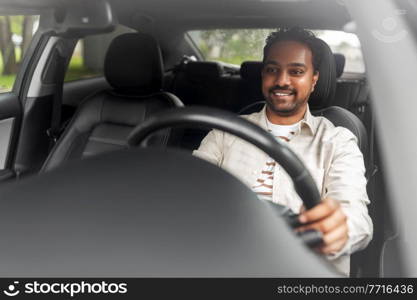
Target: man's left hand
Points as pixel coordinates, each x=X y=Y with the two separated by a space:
x=329 y=218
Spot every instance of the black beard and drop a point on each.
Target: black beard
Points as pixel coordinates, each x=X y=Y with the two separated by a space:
x=283 y=113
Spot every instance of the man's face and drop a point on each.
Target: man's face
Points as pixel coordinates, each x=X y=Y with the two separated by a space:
x=288 y=77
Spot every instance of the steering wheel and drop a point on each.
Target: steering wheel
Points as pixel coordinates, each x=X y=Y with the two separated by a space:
x=230 y=123
x=214 y=118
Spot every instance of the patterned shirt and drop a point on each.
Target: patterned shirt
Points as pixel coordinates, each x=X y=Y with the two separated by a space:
x=263 y=186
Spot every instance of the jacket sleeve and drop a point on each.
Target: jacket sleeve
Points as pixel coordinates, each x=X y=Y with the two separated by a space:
x=212 y=147
x=345 y=181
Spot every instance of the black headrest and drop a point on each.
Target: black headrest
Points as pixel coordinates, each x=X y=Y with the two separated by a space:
x=325 y=89
x=203 y=70
x=340 y=60
x=251 y=70
x=133 y=64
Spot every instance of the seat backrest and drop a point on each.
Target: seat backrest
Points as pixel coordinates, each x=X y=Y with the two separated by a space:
x=133 y=67
x=340 y=61
x=205 y=83
x=250 y=90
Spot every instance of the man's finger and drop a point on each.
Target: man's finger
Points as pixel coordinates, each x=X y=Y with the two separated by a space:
x=339 y=233
x=333 y=248
x=322 y=210
x=332 y=221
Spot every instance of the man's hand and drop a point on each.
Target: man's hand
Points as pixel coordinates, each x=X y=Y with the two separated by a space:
x=328 y=218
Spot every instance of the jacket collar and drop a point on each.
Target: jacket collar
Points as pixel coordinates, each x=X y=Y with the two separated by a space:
x=309 y=121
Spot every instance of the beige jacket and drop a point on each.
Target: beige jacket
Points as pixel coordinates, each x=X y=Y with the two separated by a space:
x=330 y=153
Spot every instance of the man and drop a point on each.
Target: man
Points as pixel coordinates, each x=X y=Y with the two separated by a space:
x=289 y=75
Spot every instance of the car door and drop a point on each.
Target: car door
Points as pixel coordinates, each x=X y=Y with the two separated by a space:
x=31 y=97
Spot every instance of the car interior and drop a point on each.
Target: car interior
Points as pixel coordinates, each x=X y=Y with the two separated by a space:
x=152 y=67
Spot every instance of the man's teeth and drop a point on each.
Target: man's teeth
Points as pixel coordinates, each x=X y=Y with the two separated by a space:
x=282 y=94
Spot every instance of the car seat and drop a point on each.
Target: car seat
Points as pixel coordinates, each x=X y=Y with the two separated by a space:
x=133 y=67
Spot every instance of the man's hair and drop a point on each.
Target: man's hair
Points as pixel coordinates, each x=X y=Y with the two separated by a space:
x=296 y=34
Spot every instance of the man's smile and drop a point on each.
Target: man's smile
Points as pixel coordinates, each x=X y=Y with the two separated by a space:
x=282 y=94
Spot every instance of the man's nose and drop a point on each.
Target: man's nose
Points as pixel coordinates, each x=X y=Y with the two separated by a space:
x=282 y=79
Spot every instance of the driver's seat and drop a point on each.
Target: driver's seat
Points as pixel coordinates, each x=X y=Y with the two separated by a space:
x=133 y=67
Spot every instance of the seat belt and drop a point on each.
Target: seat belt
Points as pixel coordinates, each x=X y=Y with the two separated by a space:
x=54 y=131
x=367 y=117
x=372 y=167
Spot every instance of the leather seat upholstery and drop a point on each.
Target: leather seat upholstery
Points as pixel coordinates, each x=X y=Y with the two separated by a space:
x=340 y=60
x=133 y=67
x=323 y=97
x=206 y=83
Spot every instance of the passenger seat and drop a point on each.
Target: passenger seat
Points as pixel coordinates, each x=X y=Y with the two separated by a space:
x=204 y=83
x=133 y=67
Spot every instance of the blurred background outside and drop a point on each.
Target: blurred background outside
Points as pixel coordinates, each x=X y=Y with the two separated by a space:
x=16 y=32
x=231 y=46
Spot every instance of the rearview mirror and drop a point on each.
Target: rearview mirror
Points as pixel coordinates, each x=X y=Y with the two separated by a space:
x=67 y=18
x=78 y=18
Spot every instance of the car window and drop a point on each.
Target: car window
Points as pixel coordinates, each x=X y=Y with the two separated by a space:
x=238 y=45
x=87 y=60
x=16 y=33
x=347 y=44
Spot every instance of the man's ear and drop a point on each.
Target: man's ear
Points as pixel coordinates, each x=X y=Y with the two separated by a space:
x=315 y=78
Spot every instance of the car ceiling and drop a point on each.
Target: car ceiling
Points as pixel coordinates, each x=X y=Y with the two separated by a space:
x=195 y=14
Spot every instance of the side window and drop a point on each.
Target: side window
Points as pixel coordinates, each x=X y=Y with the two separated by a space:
x=16 y=32
x=347 y=44
x=87 y=60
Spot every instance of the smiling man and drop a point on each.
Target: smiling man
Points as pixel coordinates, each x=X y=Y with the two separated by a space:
x=289 y=75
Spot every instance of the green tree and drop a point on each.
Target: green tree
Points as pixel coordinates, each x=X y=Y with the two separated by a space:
x=232 y=45
x=14 y=25
x=7 y=47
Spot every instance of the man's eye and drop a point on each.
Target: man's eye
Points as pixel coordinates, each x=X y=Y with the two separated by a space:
x=297 y=72
x=270 y=70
